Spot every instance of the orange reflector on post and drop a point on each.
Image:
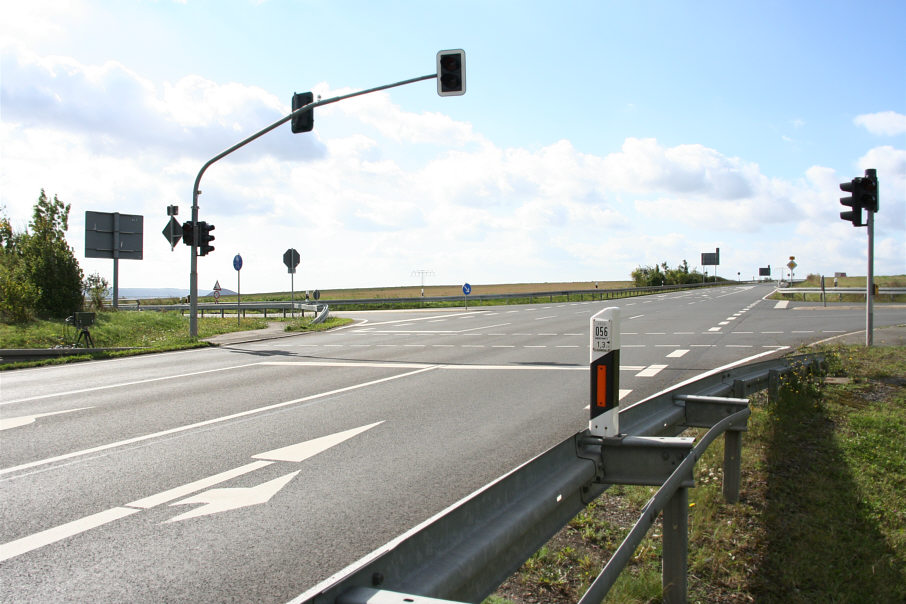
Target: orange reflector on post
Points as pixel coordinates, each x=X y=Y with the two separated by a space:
x=601 y=394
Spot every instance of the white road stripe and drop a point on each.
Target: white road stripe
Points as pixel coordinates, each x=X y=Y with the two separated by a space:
x=58 y=533
x=651 y=371
x=216 y=420
x=677 y=353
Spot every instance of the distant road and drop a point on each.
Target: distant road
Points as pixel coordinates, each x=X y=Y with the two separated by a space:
x=252 y=472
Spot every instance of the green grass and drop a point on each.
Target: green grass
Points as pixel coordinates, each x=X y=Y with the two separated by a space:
x=145 y=331
x=821 y=515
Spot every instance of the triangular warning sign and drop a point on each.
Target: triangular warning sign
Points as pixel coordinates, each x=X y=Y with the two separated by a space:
x=217 y=287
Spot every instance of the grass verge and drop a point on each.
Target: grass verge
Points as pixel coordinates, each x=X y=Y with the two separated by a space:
x=144 y=331
x=821 y=515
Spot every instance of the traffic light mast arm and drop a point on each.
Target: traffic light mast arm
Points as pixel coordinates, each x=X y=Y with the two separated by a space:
x=193 y=277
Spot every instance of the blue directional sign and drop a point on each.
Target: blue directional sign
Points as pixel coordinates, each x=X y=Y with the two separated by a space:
x=466 y=289
x=237 y=262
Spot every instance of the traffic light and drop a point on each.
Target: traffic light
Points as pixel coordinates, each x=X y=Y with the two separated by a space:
x=303 y=121
x=188 y=232
x=451 y=72
x=855 y=214
x=868 y=193
x=205 y=238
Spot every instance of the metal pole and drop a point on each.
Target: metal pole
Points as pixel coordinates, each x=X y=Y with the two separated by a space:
x=238 y=296
x=193 y=272
x=292 y=296
x=732 y=465
x=116 y=259
x=869 y=286
x=676 y=547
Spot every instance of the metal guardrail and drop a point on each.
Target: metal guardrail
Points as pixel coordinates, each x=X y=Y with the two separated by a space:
x=224 y=307
x=466 y=551
x=883 y=291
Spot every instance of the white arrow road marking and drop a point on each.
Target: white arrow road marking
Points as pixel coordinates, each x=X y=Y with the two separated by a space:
x=300 y=452
x=222 y=500
x=216 y=500
x=14 y=422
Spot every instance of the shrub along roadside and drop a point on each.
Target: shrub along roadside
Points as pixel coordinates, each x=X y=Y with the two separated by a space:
x=821 y=515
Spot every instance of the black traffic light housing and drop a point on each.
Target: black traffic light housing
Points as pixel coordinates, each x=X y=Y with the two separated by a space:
x=303 y=121
x=205 y=238
x=188 y=232
x=855 y=214
x=451 y=72
x=863 y=195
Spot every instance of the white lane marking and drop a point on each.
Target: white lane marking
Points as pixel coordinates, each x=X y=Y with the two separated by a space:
x=224 y=500
x=58 y=533
x=216 y=420
x=631 y=367
x=217 y=500
x=624 y=393
x=14 y=422
x=193 y=487
x=782 y=304
x=636 y=317
x=677 y=353
x=547 y=317
x=714 y=329
x=651 y=371
x=123 y=384
x=724 y=323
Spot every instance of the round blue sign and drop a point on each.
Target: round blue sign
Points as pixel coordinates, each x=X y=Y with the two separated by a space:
x=466 y=289
x=237 y=262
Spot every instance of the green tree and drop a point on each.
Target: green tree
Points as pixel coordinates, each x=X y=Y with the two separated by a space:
x=42 y=258
x=18 y=296
x=97 y=288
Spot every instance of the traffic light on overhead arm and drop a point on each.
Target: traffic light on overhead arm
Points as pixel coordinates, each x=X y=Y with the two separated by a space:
x=451 y=72
x=205 y=238
x=303 y=121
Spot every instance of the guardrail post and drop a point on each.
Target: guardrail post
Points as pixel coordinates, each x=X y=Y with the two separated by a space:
x=732 y=464
x=676 y=547
x=773 y=385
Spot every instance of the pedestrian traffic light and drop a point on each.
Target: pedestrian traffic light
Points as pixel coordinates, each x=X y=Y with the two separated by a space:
x=188 y=232
x=303 y=121
x=205 y=238
x=451 y=72
x=854 y=187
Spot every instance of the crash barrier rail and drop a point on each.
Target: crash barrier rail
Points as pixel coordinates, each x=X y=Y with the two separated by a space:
x=532 y=297
x=883 y=291
x=320 y=309
x=579 y=294
x=463 y=553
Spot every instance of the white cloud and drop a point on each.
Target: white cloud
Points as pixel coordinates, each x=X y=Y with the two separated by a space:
x=401 y=190
x=884 y=123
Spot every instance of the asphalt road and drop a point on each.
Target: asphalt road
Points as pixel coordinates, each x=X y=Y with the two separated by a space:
x=252 y=471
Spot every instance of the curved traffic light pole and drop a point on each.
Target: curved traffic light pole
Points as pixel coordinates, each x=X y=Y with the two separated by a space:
x=193 y=275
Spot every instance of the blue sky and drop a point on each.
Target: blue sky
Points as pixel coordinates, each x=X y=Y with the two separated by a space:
x=594 y=136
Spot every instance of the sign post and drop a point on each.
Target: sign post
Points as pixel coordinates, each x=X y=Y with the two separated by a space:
x=604 y=358
x=466 y=290
x=237 y=264
x=291 y=259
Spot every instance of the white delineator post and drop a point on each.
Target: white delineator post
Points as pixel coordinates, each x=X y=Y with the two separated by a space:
x=604 y=359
